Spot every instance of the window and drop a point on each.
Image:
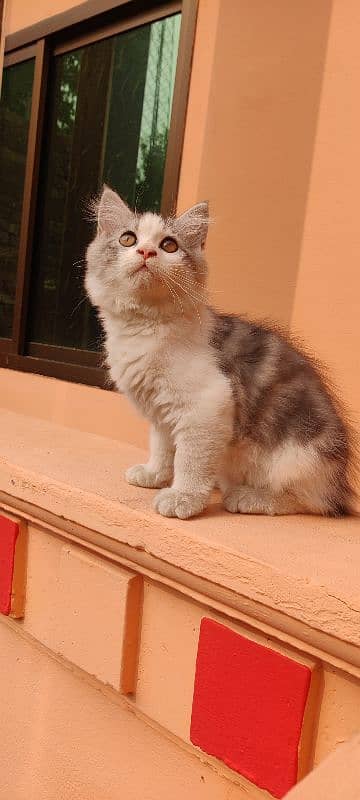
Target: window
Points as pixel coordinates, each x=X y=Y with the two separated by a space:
x=85 y=109
x=14 y=129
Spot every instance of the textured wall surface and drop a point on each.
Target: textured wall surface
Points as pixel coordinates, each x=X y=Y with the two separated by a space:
x=275 y=150
x=20 y=15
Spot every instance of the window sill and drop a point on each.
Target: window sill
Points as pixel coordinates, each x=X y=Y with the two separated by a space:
x=297 y=574
x=74 y=372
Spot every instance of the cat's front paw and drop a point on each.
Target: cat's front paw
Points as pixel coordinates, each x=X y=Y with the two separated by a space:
x=175 y=503
x=141 y=475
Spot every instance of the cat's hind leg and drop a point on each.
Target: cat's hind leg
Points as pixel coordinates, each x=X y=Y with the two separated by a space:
x=259 y=481
x=243 y=484
x=290 y=479
x=251 y=500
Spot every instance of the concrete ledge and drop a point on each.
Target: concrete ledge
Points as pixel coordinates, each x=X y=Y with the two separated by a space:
x=304 y=568
x=337 y=778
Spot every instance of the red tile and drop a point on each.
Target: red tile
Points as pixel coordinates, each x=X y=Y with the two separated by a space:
x=9 y=531
x=248 y=707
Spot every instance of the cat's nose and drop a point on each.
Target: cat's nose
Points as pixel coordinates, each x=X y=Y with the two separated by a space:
x=145 y=253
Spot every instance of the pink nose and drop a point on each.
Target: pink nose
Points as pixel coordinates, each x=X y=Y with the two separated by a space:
x=146 y=253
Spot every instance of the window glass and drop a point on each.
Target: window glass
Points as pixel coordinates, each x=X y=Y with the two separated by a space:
x=15 y=106
x=108 y=120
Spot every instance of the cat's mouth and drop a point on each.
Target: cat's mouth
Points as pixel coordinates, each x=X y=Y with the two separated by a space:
x=142 y=274
x=144 y=267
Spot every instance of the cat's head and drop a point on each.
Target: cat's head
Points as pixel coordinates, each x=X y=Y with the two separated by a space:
x=143 y=260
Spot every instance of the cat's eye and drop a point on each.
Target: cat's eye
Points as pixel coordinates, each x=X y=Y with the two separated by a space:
x=127 y=239
x=169 y=245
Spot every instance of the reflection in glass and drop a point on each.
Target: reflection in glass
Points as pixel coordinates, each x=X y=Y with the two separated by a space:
x=15 y=106
x=108 y=121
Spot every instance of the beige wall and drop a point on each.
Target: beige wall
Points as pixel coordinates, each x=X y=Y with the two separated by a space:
x=272 y=140
x=327 y=299
x=338 y=778
x=75 y=738
x=71 y=729
x=257 y=146
x=2 y=35
x=20 y=14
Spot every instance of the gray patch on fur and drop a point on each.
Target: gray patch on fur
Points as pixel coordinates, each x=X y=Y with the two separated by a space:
x=288 y=401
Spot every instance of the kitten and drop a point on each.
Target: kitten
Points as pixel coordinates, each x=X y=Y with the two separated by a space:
x=231 y=403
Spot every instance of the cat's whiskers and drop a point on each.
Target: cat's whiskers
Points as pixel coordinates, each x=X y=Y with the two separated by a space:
x=188 y=295
x=196 y=291
x=83 y=299
x=186 y=278
x=173 y=293
x=79 y=264
x=205 y=289
x=192 y=289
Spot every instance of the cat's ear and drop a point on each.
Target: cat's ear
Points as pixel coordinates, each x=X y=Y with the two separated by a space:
x=193 y=225
x=112 y=212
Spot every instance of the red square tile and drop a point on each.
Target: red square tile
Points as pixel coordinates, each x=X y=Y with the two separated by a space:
x=9 y=531
x=248 y=707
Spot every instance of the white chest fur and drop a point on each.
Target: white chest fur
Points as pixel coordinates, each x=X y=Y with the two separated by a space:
x=164 y=368
x=135 y=354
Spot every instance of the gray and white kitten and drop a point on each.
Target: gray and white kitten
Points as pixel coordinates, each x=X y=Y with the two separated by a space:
x=231 y=403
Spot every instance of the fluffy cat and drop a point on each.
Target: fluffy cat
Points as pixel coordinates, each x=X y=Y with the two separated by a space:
x=231 y=403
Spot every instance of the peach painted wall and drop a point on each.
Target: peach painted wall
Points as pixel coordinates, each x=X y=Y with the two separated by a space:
x=20 y=14
x=276 y=150
x=2 y=35
x=256 y=150
x=63 y=696
x=340 y=772
x=64 y=719
x=327 y=298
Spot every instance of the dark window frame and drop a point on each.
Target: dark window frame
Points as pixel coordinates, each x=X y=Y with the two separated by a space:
x=58 y=34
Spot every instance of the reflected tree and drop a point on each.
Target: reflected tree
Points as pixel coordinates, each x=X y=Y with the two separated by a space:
x=107 y=120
